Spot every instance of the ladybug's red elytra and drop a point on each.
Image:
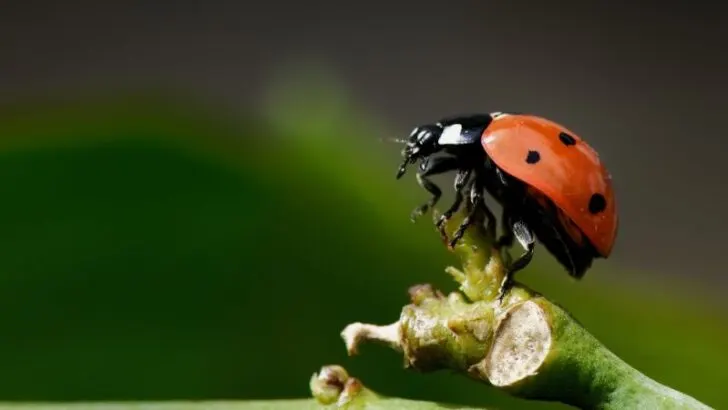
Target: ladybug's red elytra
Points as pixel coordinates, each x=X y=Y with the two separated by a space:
x=551 y=184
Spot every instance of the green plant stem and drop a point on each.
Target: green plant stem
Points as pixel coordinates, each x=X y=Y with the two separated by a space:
x=296 y=404
x=525 y=345
x=293 y=404
x=332 y=388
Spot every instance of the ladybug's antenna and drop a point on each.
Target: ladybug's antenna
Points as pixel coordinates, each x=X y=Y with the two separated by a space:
x=395 y=140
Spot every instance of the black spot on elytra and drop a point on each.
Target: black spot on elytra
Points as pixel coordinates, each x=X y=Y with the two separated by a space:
x=597 y=203
x=533 y=157
x=567 y=139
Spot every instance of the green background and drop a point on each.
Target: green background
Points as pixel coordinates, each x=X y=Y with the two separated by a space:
x=154 y=249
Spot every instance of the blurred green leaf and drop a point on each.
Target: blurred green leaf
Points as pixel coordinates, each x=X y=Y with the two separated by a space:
x=153 y=251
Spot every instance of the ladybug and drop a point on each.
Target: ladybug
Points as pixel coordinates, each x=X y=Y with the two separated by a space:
x=551 y=185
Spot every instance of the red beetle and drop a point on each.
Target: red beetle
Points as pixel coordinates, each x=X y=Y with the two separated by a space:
x=550 y=182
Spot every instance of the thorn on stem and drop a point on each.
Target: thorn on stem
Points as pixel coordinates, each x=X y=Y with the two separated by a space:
x=420 y=293
x=328 y=384
x=456 y=274
x=356 y=333
x=334 y=385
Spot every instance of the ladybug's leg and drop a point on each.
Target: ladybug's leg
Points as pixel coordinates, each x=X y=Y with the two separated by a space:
x=525 y=237
x=430 y=167
x=477 y=203
x=507 y=237
x=461 y=178
x=490 y=220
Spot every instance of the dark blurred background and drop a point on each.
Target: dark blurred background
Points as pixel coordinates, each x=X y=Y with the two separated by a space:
x=195 y=200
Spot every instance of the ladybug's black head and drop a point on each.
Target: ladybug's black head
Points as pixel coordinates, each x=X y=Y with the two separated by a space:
x=421 y=143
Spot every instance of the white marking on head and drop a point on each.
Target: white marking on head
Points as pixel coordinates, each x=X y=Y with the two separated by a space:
x=422 y=135
x=450 y=135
